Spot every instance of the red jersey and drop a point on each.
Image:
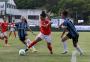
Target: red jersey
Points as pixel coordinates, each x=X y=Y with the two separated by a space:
x=45 y=30
x=12 y=25
x=4 y=27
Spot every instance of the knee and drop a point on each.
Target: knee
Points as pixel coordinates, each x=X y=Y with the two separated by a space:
x=5 y=37
x=38 y=39
x=62 y=39
x=48 y=43
x=75 y=45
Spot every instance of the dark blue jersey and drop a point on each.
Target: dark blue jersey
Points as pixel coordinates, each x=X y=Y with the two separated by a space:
x=22 y=27
x=70 y=27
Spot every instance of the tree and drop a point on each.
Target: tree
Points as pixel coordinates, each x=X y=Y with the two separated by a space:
x=77 y=8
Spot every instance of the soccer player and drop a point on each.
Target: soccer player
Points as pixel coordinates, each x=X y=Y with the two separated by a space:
x=12 y=28
x=69 y=27
x=22 y=27
x=45 y=32
x=4 y=27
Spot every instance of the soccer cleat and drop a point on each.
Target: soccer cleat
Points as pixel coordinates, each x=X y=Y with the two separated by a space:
x=26 y=50
x=81 y=54
x=51 y=52
x=33 y=50
x=64 y=52
x=6 y=45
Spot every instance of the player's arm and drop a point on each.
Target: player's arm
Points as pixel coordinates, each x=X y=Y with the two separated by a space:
x=64 y=27
x=30 y=29
x=44 y=25
x=63 y=33
x=9 y=24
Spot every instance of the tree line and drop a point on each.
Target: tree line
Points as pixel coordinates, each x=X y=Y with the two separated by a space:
x=79 y=9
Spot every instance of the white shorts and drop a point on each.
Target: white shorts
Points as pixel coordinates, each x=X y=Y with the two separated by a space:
x=47 y=38
x=3 y=34
x=12 y=29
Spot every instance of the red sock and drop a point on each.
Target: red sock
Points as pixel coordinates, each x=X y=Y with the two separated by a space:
x=33 y=43
x=6 y=41
x=49 y=47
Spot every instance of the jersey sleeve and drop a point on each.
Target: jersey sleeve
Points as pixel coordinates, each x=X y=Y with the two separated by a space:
x=27 y=26
x=16 y=25
x=65 y=23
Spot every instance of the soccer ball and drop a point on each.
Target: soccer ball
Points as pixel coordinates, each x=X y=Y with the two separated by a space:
x=22 y=52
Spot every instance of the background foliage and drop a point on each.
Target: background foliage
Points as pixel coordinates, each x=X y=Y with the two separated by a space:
x=79 y=9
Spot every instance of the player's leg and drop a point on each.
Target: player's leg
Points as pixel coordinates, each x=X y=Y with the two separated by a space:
x=10 y=33
x=22 y=39
x=15 y=34
x=2 y=36
x=11 y=30
x=34 y=42
x=64 y=41
x=28 y=41
x=6 y=39
x=75 y=44
x=49 y=45
x=38 y=38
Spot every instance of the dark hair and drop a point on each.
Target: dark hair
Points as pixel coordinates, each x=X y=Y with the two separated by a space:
x=25 y=20
x=65 y=13
x=43 y=14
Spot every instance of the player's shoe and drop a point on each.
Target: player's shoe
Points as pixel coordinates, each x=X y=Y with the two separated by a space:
x=34 y=50
x=51 y=52
x=6 y=45
x=65 y=52
x=26 y=49
x=81 y=54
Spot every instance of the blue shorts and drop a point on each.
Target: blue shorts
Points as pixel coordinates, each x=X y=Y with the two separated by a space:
x=75 y=39
x=22 y=38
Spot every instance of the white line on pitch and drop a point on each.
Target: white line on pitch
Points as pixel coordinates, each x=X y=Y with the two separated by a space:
x=73 y=58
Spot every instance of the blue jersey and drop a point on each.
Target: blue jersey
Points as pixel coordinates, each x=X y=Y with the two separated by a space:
x=70 y=27
x=22 y=27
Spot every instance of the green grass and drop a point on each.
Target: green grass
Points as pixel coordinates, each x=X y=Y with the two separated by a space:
x=10 y=54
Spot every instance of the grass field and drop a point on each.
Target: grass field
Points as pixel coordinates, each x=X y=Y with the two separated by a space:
x=10 y=54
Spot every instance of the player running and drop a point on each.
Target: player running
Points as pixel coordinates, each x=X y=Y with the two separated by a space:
x=12 y=28
x=4 y=28
x=45 y=32
x=67 y=25
x=22 y=27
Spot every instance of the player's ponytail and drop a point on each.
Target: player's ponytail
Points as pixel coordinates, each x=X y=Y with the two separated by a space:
x=25 y=20
x=65 y=13
x=43 y=14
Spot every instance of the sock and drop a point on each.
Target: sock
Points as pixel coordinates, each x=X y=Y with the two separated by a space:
x=65 y=46
x=28 y=41
x=33 y=43
x=79 y=49
x=6 y=41
x=49 y=47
